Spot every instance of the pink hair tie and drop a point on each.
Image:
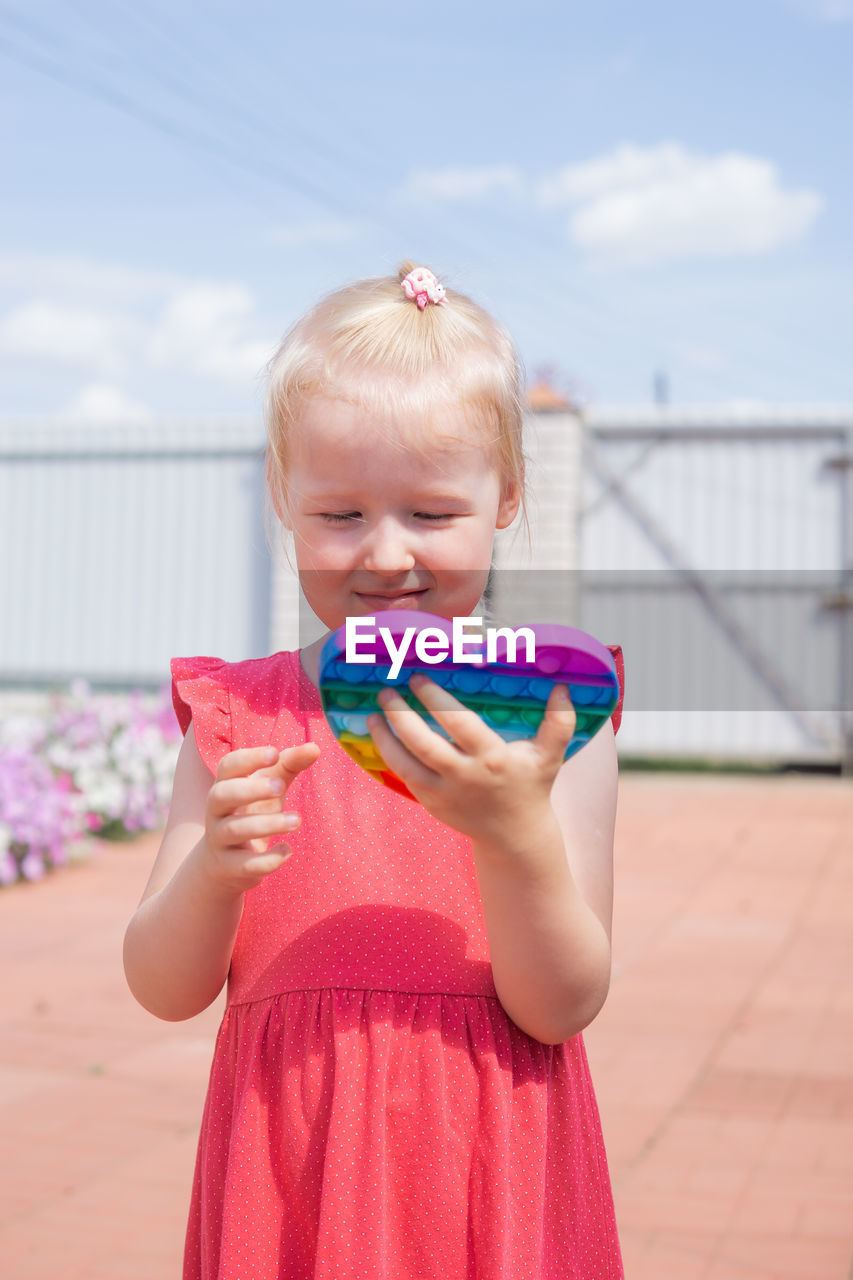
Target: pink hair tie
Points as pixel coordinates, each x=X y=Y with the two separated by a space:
x=422 y=287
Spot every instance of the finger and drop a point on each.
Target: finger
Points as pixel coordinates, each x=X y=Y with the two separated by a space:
x=415 y=734
x=468 y=730
x=267 y=857
x=292 y=760
x=229 y=794
x=238 y=830
x=558 y=724
x=240 y=763
x=273 y=805
x=413 y=771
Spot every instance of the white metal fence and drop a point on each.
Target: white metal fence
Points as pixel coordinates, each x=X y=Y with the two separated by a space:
x=122 y=547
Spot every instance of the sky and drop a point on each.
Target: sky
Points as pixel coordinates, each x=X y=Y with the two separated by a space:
x=632 y=187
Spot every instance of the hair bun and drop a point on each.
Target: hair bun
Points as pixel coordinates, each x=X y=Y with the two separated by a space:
x=405 y=268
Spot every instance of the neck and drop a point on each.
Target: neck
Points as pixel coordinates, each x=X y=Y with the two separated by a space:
x=309 y=657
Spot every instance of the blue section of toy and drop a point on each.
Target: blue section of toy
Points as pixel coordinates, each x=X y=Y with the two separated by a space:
x=509 y=695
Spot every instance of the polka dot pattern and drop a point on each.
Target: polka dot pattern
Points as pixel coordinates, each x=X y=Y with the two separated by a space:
x=372 y=1112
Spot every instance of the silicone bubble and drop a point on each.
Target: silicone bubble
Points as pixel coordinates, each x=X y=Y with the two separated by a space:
x=509 y=691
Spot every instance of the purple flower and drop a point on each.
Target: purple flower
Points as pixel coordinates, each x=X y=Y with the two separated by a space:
x=32 y=865
x=98 y=761
x=8 y=868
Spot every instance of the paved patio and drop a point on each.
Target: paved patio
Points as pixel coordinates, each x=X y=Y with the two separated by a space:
x=723 y=1058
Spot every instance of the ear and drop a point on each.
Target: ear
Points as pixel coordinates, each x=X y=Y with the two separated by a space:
x=508 y=505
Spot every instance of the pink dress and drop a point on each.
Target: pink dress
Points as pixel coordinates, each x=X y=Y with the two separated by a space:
x=373 y=1113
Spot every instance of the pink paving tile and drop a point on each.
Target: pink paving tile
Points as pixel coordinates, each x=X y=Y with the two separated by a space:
x=181 y=1062
x=836 y=1151
x=653 y=1071
x=130 y=1266
x=664 y=1207
x=726 y=1091
x=727 y=1270
x=801 y=1143
x=662 y=1260
x=634 y=1242
x=721 y=1058
x=770 y=1209
x=628 y=1129
x=36 y=1268
x=761 y=1063
x=35 y=1257
x=827 y=1216
x=19 y=1082
x=824 y=1095
x=785 y=1258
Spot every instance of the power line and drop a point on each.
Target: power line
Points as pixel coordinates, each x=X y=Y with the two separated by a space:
x=580 y=313
x=121 y=101
x=141 y=113
x=236 y=107
x=450 y=231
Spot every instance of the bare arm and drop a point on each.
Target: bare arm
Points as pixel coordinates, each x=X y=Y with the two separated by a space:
x=547 y=893
x=542 y=835
x=178 y=945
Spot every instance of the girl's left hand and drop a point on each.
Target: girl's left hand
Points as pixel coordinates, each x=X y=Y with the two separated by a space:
x=488 y=789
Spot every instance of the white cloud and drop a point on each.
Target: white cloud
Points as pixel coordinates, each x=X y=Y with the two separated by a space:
x=58 y=275
x=108 y=321
x=638 y=207
x=449 y=186
x=55 y=334
x=625 y=167
x=328 y=231
x=102 y=405
x=202 y=329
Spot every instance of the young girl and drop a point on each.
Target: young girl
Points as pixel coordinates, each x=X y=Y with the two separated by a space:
x=399 y=1089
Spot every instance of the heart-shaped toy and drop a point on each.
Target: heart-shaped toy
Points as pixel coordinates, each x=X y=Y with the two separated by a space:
x=506 y=682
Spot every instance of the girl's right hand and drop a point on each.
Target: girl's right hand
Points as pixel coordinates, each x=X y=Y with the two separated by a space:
x=245 y=809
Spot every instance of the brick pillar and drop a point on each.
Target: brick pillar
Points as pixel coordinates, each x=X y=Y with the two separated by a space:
x=538 y=582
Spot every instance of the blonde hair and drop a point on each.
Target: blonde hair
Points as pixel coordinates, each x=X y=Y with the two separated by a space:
x=370 y=345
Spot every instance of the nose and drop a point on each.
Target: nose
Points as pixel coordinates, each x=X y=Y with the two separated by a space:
x=386 y=548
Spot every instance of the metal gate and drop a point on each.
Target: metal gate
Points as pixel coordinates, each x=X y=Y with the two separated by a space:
x=719 y=547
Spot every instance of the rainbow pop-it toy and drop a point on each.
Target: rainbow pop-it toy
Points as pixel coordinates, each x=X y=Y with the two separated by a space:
x=509 y=692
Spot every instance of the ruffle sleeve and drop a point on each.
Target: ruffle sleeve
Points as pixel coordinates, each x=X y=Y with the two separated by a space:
x=616 y=650
x=200 y=694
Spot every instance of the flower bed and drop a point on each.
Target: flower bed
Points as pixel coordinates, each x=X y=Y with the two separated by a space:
x=91 y=765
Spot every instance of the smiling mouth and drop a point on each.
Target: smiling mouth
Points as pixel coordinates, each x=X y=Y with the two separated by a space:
x=391 y=599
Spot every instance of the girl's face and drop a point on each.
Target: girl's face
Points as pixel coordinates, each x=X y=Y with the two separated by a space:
x=379 y=529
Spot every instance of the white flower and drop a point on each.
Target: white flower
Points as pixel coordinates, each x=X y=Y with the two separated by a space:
x=107 y=795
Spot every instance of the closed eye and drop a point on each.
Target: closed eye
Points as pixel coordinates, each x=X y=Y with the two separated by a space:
x=343 y=517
